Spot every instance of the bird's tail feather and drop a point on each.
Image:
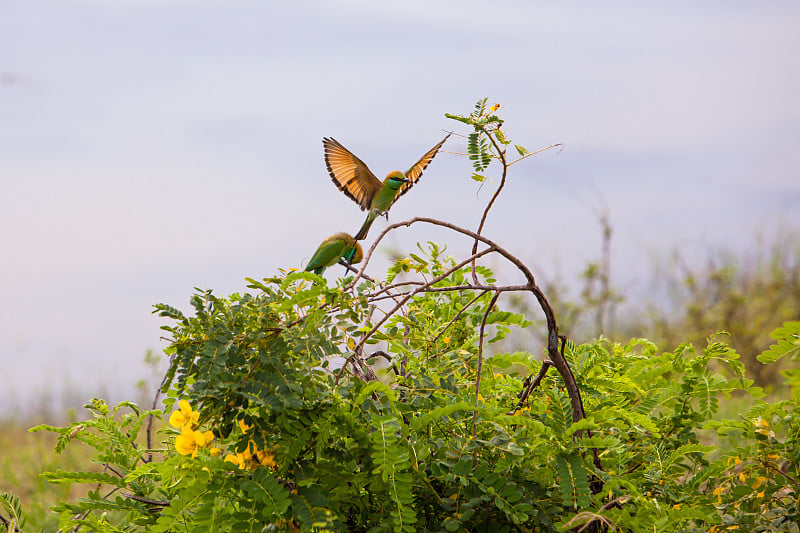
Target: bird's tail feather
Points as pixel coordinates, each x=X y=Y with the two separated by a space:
x=362 y=233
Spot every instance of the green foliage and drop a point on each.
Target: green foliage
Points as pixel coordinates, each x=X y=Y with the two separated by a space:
x=24 y=457
x=11 y=512
x=572 y=480
x=484 y=143
x=400 y=454
x=787 y=339
x=379 y=407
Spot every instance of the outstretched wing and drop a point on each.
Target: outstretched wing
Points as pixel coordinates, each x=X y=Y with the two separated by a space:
x=415 y=173
x=350 y=174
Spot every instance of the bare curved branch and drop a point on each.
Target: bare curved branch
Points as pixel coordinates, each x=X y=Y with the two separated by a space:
x=553 y=352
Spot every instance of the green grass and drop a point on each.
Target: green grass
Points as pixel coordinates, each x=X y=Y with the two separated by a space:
x=25 y=456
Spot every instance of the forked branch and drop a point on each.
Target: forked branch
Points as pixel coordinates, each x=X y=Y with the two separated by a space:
x=553 y=352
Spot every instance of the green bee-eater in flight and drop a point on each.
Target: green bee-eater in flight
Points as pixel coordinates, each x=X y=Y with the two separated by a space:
x=357 y=181
x=335 y=247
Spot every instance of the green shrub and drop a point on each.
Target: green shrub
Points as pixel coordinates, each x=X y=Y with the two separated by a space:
x=376 y=406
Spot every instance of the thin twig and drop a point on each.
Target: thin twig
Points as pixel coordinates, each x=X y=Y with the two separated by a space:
x=384 y=287
x=458 y=314
x=784 y=474
x=402 y=302
x=501 y=155
x=149 y=429
x=554 y=354
x=407 y=296
x=395 y=286
x=159 y=503
x=530 y=385
x=594 y=517
x=469 y=287
x=353 y=269
x=384 y=355
x=537 y=152
x=480 y=359
x=552 y=328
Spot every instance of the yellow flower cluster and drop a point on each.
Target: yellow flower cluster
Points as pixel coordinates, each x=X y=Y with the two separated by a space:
x=762 y=427
x=250 y=459
x=184 y=415
x=190 y=441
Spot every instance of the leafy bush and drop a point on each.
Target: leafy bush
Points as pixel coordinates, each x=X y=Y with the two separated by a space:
x=374 y=406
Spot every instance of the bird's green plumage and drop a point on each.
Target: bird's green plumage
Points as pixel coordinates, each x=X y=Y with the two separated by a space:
x=357 y=181
x=382 y=201
x=335 y=247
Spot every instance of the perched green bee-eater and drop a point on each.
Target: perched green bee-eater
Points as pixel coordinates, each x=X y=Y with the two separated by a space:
x=335 y=247
x=357 y=181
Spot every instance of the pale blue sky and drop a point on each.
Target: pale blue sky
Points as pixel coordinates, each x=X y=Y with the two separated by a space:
x=148 y=147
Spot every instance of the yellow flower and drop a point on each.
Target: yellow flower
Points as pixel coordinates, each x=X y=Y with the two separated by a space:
x=246 y=456
x=759 y=481
x=760 y=494
x=215 y=451
x=250 y=460
x=677 y=506
x=235 y=459
x=241 y=459
x=190 y=441
x=494 y=108
x=774 y=456
x=266 y=458
x=244 y=427
x=446 y=340
x=741 y=477
x=184 y=416
x=763 y=426
x=737 y=461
